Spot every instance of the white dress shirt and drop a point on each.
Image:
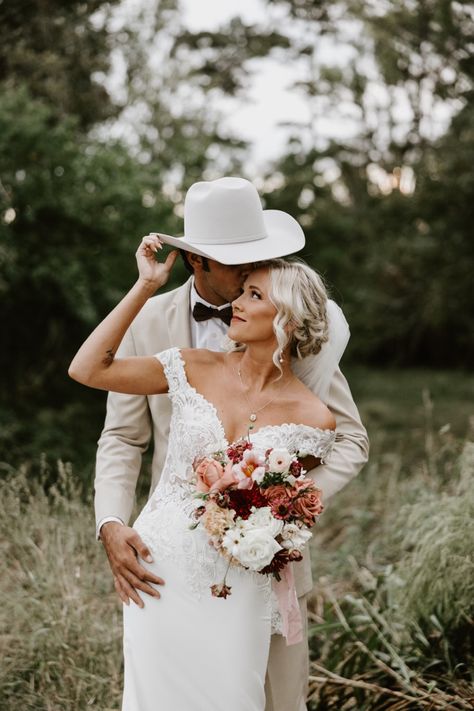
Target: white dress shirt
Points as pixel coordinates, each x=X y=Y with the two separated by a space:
x=208 y=334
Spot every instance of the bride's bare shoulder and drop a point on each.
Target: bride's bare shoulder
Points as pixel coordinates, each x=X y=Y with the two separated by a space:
x=314 y=412
x=201 y=357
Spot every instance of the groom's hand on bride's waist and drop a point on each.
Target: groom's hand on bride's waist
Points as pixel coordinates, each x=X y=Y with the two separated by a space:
x=123 y=545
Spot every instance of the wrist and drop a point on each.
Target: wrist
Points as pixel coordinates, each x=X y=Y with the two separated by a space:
x=147 y=286
x=107 y=526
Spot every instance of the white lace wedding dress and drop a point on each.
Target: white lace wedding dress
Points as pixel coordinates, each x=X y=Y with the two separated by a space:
x=188 y=650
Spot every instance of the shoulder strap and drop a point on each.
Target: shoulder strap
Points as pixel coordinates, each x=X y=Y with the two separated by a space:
x=173 y=366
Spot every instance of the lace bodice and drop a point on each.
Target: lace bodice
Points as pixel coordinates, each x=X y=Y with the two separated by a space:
x=197 y=431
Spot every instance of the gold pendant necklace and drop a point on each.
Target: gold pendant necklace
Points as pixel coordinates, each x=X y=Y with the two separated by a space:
x=253 y=411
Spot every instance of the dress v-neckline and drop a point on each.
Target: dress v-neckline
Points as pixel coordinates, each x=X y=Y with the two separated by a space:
x=252 y=432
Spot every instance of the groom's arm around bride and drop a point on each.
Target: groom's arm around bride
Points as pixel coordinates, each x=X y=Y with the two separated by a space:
x=133 y=421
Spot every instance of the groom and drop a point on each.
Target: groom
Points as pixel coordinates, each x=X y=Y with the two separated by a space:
x=226 y=231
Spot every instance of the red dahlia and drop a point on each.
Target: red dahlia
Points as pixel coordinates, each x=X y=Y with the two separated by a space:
x=242 y=500
x=295 y=468
x=236 y=450
x=278 y=563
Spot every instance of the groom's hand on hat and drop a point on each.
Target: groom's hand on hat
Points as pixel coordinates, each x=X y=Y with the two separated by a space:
x=152 y=272
x=124 y=546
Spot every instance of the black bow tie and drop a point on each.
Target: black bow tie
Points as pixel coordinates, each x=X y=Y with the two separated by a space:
x=201 y=312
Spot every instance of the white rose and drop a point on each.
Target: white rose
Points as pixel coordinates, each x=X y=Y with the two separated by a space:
x=279 y=460
x=263 y=519
x=256 y=549
x=294 y=537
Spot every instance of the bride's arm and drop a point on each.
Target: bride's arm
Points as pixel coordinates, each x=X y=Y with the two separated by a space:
x=95 y=365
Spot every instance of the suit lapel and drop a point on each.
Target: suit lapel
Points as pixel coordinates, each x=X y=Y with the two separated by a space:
x=177 y=318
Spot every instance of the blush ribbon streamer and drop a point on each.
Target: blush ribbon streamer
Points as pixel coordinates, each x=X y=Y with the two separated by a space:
x=288 y=605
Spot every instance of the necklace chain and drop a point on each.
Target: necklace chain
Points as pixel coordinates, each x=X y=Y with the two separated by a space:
x=253 y=411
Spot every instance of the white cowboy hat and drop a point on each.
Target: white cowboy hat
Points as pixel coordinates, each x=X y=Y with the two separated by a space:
x=224 y=220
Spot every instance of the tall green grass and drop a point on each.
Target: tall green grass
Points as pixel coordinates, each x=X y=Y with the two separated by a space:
x=59 y=619
x=393 y=608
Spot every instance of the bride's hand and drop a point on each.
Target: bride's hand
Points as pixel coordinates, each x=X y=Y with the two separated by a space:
x=154 y=273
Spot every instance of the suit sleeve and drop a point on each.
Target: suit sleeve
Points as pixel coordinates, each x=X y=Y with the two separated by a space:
x=351 y=449
x=125 y=437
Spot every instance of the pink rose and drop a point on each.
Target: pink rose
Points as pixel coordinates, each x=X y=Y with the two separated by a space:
x=306 y=502
x=211 y=476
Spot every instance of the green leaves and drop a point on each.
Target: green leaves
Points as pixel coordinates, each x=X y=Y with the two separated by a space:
x=56 y=48
x=73 y=215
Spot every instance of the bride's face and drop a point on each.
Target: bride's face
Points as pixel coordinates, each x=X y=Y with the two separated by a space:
x=253 y=312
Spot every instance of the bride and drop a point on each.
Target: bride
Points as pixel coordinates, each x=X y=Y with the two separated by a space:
x=186 y=649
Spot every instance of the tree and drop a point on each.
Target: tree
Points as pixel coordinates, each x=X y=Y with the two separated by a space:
x=72 y=213
x=74 y=202
x=58 y=49
x=371 y=204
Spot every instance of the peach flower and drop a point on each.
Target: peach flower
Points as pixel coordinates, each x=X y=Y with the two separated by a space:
x=216 y=520
x=280 y=500
x=250 y=469
x=212 y=476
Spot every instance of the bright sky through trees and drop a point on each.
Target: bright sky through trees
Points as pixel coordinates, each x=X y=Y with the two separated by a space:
x=270 y=102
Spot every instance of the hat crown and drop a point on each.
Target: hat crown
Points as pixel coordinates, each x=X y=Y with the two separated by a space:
x=223 y=211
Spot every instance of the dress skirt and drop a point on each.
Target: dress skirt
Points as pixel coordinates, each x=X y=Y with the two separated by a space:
x=188 y=652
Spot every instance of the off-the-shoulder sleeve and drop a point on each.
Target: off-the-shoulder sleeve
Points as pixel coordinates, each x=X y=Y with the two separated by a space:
x=315 y=442
x=173 y=366
x=304 y=440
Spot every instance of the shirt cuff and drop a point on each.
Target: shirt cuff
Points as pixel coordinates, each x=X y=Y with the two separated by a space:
x=106 y=520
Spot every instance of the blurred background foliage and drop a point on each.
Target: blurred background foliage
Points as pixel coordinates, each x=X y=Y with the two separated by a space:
x=86 y=168
x=105 y=121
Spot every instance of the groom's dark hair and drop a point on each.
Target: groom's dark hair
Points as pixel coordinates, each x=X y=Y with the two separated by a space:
x=188 y=265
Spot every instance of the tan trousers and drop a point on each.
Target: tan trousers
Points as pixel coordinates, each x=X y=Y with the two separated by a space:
x=286 y=684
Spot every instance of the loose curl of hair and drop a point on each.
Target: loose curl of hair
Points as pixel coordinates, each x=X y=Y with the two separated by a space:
x=300 y=298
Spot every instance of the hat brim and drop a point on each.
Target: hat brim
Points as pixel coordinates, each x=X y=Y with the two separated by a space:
x=284 y=236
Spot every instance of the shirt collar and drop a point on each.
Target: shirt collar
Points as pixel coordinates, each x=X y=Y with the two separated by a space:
x=194 y=296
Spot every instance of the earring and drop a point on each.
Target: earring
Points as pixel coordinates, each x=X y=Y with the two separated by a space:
x=280 y=358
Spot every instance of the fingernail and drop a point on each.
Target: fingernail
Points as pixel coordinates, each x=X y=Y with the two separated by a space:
x=149 y=559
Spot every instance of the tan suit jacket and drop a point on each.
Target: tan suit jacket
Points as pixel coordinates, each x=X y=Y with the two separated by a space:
x=133 y=420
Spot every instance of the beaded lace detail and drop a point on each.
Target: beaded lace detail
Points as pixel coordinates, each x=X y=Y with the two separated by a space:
x=196 y=431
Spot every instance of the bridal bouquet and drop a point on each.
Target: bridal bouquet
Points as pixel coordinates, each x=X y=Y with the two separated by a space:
x=256 y=509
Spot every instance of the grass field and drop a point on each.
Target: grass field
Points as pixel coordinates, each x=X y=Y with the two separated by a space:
x=391 y=614
x=392 y=553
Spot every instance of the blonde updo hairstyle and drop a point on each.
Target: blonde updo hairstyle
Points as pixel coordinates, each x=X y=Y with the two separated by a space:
x=300 y=298
x=299 y=295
